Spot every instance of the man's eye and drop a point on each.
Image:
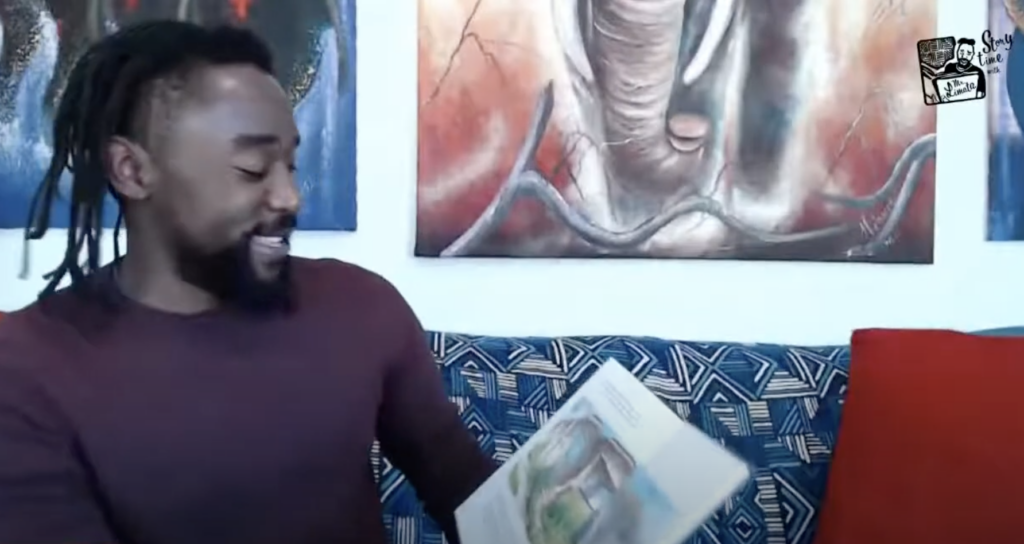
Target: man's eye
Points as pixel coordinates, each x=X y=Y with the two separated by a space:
x=254 y=175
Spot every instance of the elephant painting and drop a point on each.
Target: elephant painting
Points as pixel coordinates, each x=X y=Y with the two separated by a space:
x=56 y=32
x=782 y=129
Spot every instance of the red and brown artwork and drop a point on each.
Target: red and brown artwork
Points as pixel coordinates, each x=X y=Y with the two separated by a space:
x=675 y=129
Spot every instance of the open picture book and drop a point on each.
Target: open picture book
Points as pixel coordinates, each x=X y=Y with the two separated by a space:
x=614 y=465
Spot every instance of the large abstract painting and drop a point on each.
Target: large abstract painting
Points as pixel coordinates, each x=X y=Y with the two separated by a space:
x=314 y=46
x=731 y=129
x=1006 y=111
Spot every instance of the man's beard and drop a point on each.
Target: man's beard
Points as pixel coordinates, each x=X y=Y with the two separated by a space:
x=231 y=276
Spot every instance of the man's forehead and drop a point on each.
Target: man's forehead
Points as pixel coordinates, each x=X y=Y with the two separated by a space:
x=242 y=104
x=234 y=80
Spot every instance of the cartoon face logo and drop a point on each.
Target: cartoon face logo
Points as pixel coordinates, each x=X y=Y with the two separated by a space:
x=965 y=52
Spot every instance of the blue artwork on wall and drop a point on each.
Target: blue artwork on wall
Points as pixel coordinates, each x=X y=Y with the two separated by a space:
x=1006 y=155
x=315 y=51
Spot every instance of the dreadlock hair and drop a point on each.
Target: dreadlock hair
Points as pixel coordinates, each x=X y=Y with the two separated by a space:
x=105 y=91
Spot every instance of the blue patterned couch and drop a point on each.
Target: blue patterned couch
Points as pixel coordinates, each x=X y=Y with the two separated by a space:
x=776 y=406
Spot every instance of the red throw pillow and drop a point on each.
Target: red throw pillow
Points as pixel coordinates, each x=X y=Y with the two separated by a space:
x=931 y=442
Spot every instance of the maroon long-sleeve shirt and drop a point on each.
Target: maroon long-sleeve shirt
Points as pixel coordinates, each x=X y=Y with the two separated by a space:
x=121 y=424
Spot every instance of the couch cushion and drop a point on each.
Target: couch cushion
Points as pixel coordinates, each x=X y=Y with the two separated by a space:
x=776 y=406
x=931 y=442
x=1002 y=331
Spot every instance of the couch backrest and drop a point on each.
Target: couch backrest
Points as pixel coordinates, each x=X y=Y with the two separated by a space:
x=776 y=406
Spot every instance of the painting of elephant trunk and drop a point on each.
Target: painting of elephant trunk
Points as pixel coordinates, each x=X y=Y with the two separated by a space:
x=676 y=128
x=633 y=64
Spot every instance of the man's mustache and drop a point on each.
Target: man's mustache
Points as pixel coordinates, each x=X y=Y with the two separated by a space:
x=284 y=224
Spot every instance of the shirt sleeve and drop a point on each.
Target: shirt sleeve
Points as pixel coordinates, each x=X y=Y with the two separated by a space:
x=44 y=489
x=420 y=430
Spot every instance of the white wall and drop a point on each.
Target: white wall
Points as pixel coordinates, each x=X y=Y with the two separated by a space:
x=973 y=284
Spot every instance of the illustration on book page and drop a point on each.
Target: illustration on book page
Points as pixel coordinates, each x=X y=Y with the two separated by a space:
x=580 y=482
x=605 y=469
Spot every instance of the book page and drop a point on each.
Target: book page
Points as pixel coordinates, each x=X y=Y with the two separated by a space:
x=614 y=465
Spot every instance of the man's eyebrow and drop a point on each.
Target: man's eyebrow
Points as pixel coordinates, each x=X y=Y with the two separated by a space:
x=249 y=141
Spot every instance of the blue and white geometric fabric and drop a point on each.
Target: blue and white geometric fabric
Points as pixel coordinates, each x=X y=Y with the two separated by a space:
x=776 y=406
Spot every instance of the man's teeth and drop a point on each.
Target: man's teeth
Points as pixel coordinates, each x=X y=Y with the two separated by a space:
x=271 y=240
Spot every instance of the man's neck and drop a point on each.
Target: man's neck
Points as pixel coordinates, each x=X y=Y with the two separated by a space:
x=155 y=285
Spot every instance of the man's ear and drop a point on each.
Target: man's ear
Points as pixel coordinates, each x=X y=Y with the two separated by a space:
x=130 y=169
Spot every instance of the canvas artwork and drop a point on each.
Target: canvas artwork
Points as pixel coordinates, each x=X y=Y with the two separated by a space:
x=675 y=129
x=313 y=42
x=1005 y=112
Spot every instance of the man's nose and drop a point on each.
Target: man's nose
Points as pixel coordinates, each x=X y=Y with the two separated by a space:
x=284 y=194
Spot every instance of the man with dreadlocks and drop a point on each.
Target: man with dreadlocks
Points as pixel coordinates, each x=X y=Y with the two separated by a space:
x=205 y=387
